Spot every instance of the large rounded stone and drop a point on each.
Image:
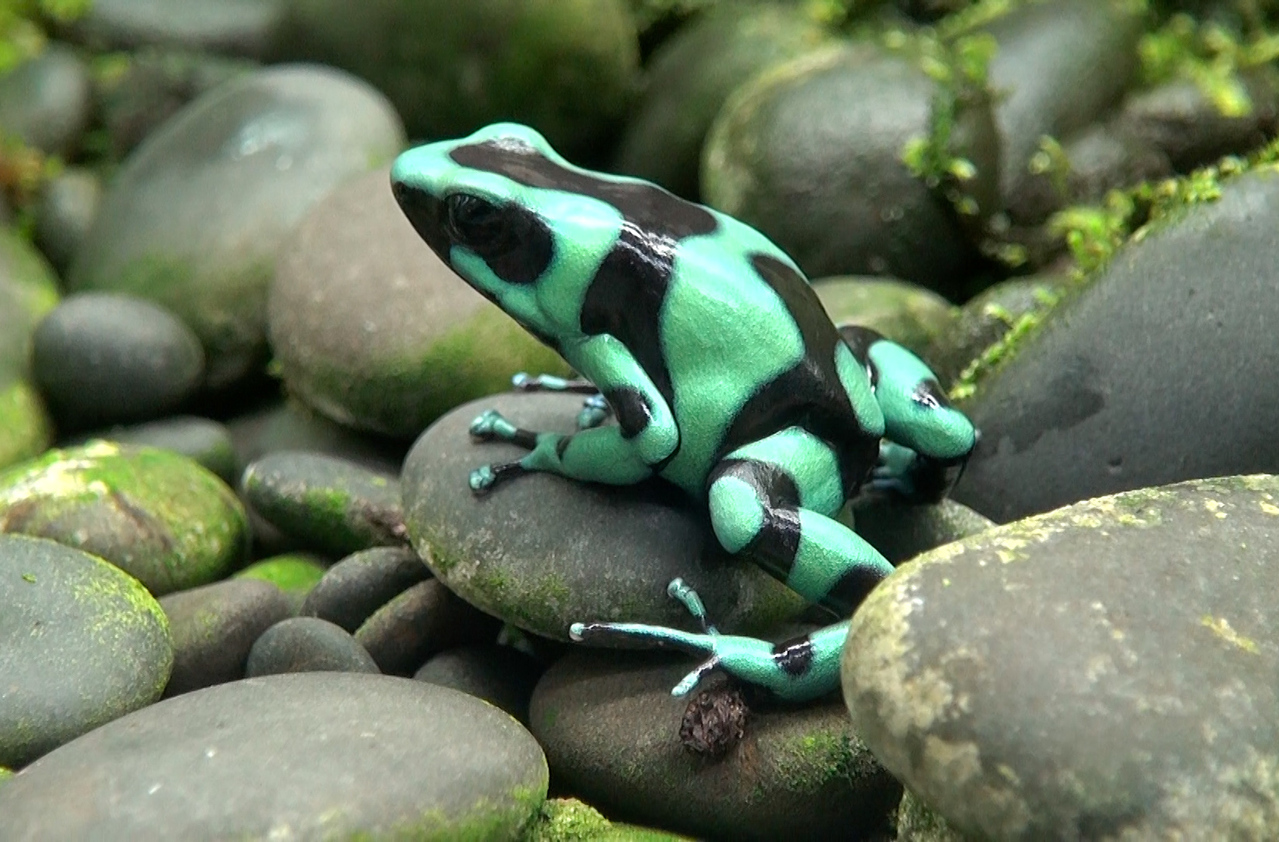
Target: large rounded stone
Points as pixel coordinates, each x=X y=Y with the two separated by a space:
x=611 y=730
x=373 y=330
x=542 y=551
x=159 y=516
x=102 y=358
x=195 y=217
x=810 y=153
x=566 y=67
x=1106 y=670
x=1161 y=369
x=83 y=643
x=313 y=755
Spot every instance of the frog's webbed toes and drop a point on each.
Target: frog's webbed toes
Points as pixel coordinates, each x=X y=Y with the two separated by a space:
x=485 y=426
x=594 y=410
x=481 y=479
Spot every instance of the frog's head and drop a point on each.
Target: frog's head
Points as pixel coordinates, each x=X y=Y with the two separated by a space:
x=495 y=208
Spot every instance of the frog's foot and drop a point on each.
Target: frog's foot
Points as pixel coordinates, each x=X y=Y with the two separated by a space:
x=595 y=410
x=799 y=669
x=491 y=426
x=901 y=472
x=525 y=382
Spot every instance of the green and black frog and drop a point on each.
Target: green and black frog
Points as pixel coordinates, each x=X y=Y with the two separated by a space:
x=724 y=373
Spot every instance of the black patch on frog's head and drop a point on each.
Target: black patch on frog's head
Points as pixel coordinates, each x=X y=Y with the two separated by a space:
x=646 y=206
x=515 y=244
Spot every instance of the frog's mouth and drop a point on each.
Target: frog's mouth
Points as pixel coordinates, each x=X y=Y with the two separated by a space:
x=426 y=214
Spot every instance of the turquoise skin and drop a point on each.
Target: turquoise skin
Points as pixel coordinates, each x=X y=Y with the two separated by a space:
x=722 y=369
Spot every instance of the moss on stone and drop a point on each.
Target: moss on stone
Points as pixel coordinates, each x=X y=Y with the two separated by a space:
x=297 y=572
x=25 y=427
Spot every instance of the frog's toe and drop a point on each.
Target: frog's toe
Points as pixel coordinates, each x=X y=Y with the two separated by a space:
x=594 y=410
x=523 y=381
x=482 y=479
x=487 y=425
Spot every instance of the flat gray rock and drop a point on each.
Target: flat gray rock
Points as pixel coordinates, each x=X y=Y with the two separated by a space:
x=82 y=644
x=611 y=730
x=542 y=551
x=1107 y=670
x=306 y=756
x=1162 y=369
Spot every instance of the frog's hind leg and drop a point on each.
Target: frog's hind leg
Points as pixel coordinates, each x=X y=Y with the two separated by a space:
x=773 y=502
x=929 y=441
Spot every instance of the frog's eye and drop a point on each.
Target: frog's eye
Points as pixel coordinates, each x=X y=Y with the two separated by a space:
x=472 y=220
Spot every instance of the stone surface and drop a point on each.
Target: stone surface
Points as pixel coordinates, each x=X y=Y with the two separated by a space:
x=500 y=675
x=610 y=728
x=359 y=584
x=306 y=644
x=215 y=626
x=65 y=212
x=810 y=153
x=422 y=620
x=1100 y=671
x=565 y=67
x=241 y=27
x=328 y=504
x=316 y=755
x=375 y=331
x=542 y=551
x=45 y=101
x=689 y=77
x=202 y=439
x=1160 y=370
x=84 y=643
x=159 y=516
x=195 y=216
x=906 y=313
x=102 y=358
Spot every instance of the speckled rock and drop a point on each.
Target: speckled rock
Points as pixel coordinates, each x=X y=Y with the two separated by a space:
x=917 y=822
x=692 y=73
x=375 y=331
x=83 y=644
x=1160 y=370
x=359 y=584
x=1094 y=672
x=610 y=728
x=541 y=551
x=295 y=574
x=810 y=153
x=159 y=516
x=214 y=628
x=566 y=67
x=310 y=755
x=906 y=313
x=331 y=505
x=194 y=218
x=501 y=675
x=426 y=618
x=104 y=358
x=306 y=644
x=202 y=439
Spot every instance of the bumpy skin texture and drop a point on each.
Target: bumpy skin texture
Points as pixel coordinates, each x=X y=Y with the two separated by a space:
x=724 y=373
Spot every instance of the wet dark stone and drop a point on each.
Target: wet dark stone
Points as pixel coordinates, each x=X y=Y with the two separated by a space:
x=328 y=504
x=500 y=675
x=359 y=584
x=1162 y=369
x=104 y=358
x=307 y=756
x=202 y=439
x=306 y=644
x=424 y=619
x=215 y=626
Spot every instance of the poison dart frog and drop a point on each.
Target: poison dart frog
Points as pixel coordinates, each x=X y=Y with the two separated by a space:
x=722 y=370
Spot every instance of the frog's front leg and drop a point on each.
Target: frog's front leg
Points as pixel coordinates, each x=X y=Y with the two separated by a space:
x=773 y=501
x=595 y=410
x=929 y=441
x=646 y=434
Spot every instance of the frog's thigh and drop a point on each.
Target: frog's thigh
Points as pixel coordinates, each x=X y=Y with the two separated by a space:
x=772 y=501
x=602 y=454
